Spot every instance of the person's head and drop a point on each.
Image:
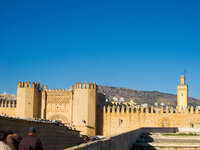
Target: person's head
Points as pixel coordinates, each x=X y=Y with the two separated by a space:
x=31 y=131
x=3 y=135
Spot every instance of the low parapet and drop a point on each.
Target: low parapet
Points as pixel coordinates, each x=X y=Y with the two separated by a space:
x=147 y=110
x=7 y=104
x=61 y=137
x=84 y=85
x=26 y=84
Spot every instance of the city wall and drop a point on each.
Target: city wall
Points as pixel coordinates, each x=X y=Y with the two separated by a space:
x=118 y=142
x=75 y=107
x=8 y=107
x=53 y=137
x=120 y=119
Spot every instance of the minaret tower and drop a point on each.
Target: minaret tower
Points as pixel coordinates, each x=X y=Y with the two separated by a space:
x=182 y=94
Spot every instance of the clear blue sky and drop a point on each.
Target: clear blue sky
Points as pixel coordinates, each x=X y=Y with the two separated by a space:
x=143 y=45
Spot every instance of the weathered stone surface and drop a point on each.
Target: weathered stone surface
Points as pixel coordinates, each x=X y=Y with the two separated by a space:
x=52 y=136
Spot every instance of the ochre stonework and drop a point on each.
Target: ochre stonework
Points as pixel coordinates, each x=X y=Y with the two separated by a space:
x=76 y=107
x=119 y=119
x=53 y=137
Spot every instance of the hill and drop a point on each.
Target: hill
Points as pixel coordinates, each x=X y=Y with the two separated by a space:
x=142 y=97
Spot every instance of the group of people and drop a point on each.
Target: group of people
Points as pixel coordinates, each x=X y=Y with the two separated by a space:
x=13 y=141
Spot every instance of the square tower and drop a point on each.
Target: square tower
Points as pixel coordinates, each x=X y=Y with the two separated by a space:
x=28 y=100
x=84 y=108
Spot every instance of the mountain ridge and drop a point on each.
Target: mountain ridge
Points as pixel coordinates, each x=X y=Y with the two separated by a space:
x=142 y=97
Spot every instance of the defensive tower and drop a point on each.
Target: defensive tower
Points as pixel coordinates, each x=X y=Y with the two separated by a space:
x=28 y=100
x=84 y=108
x=182 y=94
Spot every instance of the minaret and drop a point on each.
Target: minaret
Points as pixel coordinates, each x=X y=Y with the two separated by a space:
x=182 y=94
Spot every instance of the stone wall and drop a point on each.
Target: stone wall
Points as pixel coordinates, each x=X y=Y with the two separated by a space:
x=75 y=107
x=59 y=105
x=123 y=141
x=118 y=142
x=52 y=136
x=8 y=111
x=117 y=120
x=7 y=107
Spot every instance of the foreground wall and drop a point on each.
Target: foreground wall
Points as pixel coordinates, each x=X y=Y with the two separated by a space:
x=123 y=141
x=117 y=119
x=52 y=136
x=119 y=142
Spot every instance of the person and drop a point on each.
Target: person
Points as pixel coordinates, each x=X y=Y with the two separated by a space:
x=30 y=142
x=13 y=140
x=3 y=144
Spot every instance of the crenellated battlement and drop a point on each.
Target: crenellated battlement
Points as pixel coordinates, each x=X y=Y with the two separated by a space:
x=123 y=118
x=148 y=110
x=7 y=104
x=58 y=90
x=78 y=85
x=84 y=85
x=25 y=84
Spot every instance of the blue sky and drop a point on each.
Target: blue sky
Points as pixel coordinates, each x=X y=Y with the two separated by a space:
x=143 y=45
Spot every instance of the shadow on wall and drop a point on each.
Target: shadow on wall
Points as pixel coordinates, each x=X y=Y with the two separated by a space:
x=160 y=130
x=53 y=137
x=139 y=139
x=142 y=142
x=101 y=101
